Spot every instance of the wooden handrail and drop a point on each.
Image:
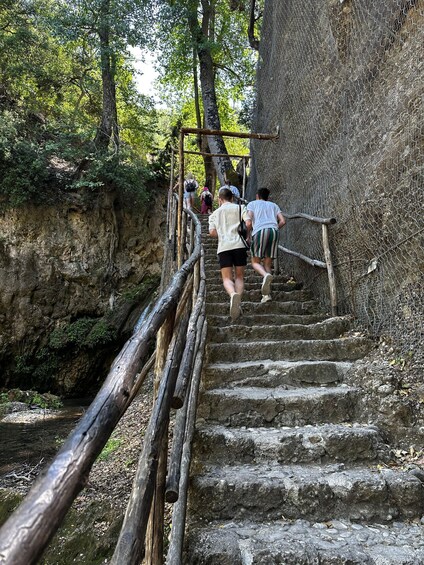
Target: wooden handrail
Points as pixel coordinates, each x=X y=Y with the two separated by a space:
x=27 y=532
x=328 y=264
x=131 y=543
x=174 y=556
x=173 y=480
x=316 y=219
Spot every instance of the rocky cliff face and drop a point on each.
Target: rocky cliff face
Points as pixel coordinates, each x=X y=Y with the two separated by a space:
x=71 y=277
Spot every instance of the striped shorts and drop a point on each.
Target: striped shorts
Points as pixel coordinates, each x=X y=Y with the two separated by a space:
x=265 y=243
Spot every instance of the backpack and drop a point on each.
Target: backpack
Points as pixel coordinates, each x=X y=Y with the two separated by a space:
x=208 y=200
x=190 y=186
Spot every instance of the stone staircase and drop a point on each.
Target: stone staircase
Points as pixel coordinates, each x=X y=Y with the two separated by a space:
x=282 y=471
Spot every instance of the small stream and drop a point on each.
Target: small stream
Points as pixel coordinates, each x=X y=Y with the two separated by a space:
x=28 y=437
x=34 y=435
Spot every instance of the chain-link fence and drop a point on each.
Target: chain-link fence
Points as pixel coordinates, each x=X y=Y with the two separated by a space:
x=343 y=79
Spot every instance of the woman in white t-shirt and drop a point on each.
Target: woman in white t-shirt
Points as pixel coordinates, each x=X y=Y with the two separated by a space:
x=266 y=219
x=232 y=257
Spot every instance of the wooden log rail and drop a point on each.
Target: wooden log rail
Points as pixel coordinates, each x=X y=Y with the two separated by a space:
x=328 y=264
x=27 y=532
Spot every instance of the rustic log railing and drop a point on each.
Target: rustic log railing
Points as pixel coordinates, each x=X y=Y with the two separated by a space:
x=179 y=317
x=328 y=263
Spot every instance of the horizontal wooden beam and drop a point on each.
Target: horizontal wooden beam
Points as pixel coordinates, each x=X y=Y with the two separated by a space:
x=216 y=154
x=203 y=131
x=315 y=219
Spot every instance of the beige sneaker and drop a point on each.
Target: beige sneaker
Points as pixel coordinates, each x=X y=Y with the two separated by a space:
x=266 y=285
x=266 y=298
x=235 y=309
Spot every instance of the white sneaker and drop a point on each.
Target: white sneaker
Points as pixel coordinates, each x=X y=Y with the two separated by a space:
x=266 y=285
x=235 y=309
x=266 y=298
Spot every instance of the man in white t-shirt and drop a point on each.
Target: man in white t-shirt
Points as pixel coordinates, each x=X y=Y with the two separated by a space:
x=266 y=219
x=232 y=256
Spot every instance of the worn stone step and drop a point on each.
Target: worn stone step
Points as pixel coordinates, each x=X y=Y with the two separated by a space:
x=269 y=319
x=252 y=284
x=255 y=295
x=330 y=328
x=305 y=444
x=272 y=407
x=343 y=349
x=248 y=308
x=271 y=491
x=300 y=542
x=274 y=373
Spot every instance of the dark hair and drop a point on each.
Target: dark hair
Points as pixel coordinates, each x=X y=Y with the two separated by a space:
x=225 y=194
x=263 y=193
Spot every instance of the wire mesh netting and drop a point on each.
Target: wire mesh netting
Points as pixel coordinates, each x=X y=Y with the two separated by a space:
x=343 y=79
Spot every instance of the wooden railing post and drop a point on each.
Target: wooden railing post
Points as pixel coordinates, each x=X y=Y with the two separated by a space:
x=154 y=534
x=180 y=199
x=330 y=270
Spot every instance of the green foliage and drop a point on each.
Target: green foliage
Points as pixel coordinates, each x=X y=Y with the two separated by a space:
x=111 y=446
x=32 y=398
x=234 y=61
x=73 y=334
x=51 y=101
x=83 y=333
x=101 y=334
x=4 y=397
x=24 y=170
x=124 y=172
x=140 y=291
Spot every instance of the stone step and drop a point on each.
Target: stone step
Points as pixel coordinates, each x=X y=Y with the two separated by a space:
x=270 y=319
x=272 y=491
x=300 y=542
x=273 y=407
x=255 y=295
x=328 y=329
x=288 y=307
x=308 y=444
x=252 y=284
x=343 y=349
x=274 y=374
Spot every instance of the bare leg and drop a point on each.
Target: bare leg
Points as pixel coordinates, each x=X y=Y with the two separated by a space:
x=239 y=279
x=268 y=264
x=257 y=265
x=227 y=280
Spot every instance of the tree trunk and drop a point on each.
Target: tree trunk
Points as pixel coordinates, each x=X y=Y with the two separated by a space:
x=207 y=83
x=108 y=128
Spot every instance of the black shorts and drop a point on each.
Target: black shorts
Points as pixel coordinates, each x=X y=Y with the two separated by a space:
x=233 y=258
